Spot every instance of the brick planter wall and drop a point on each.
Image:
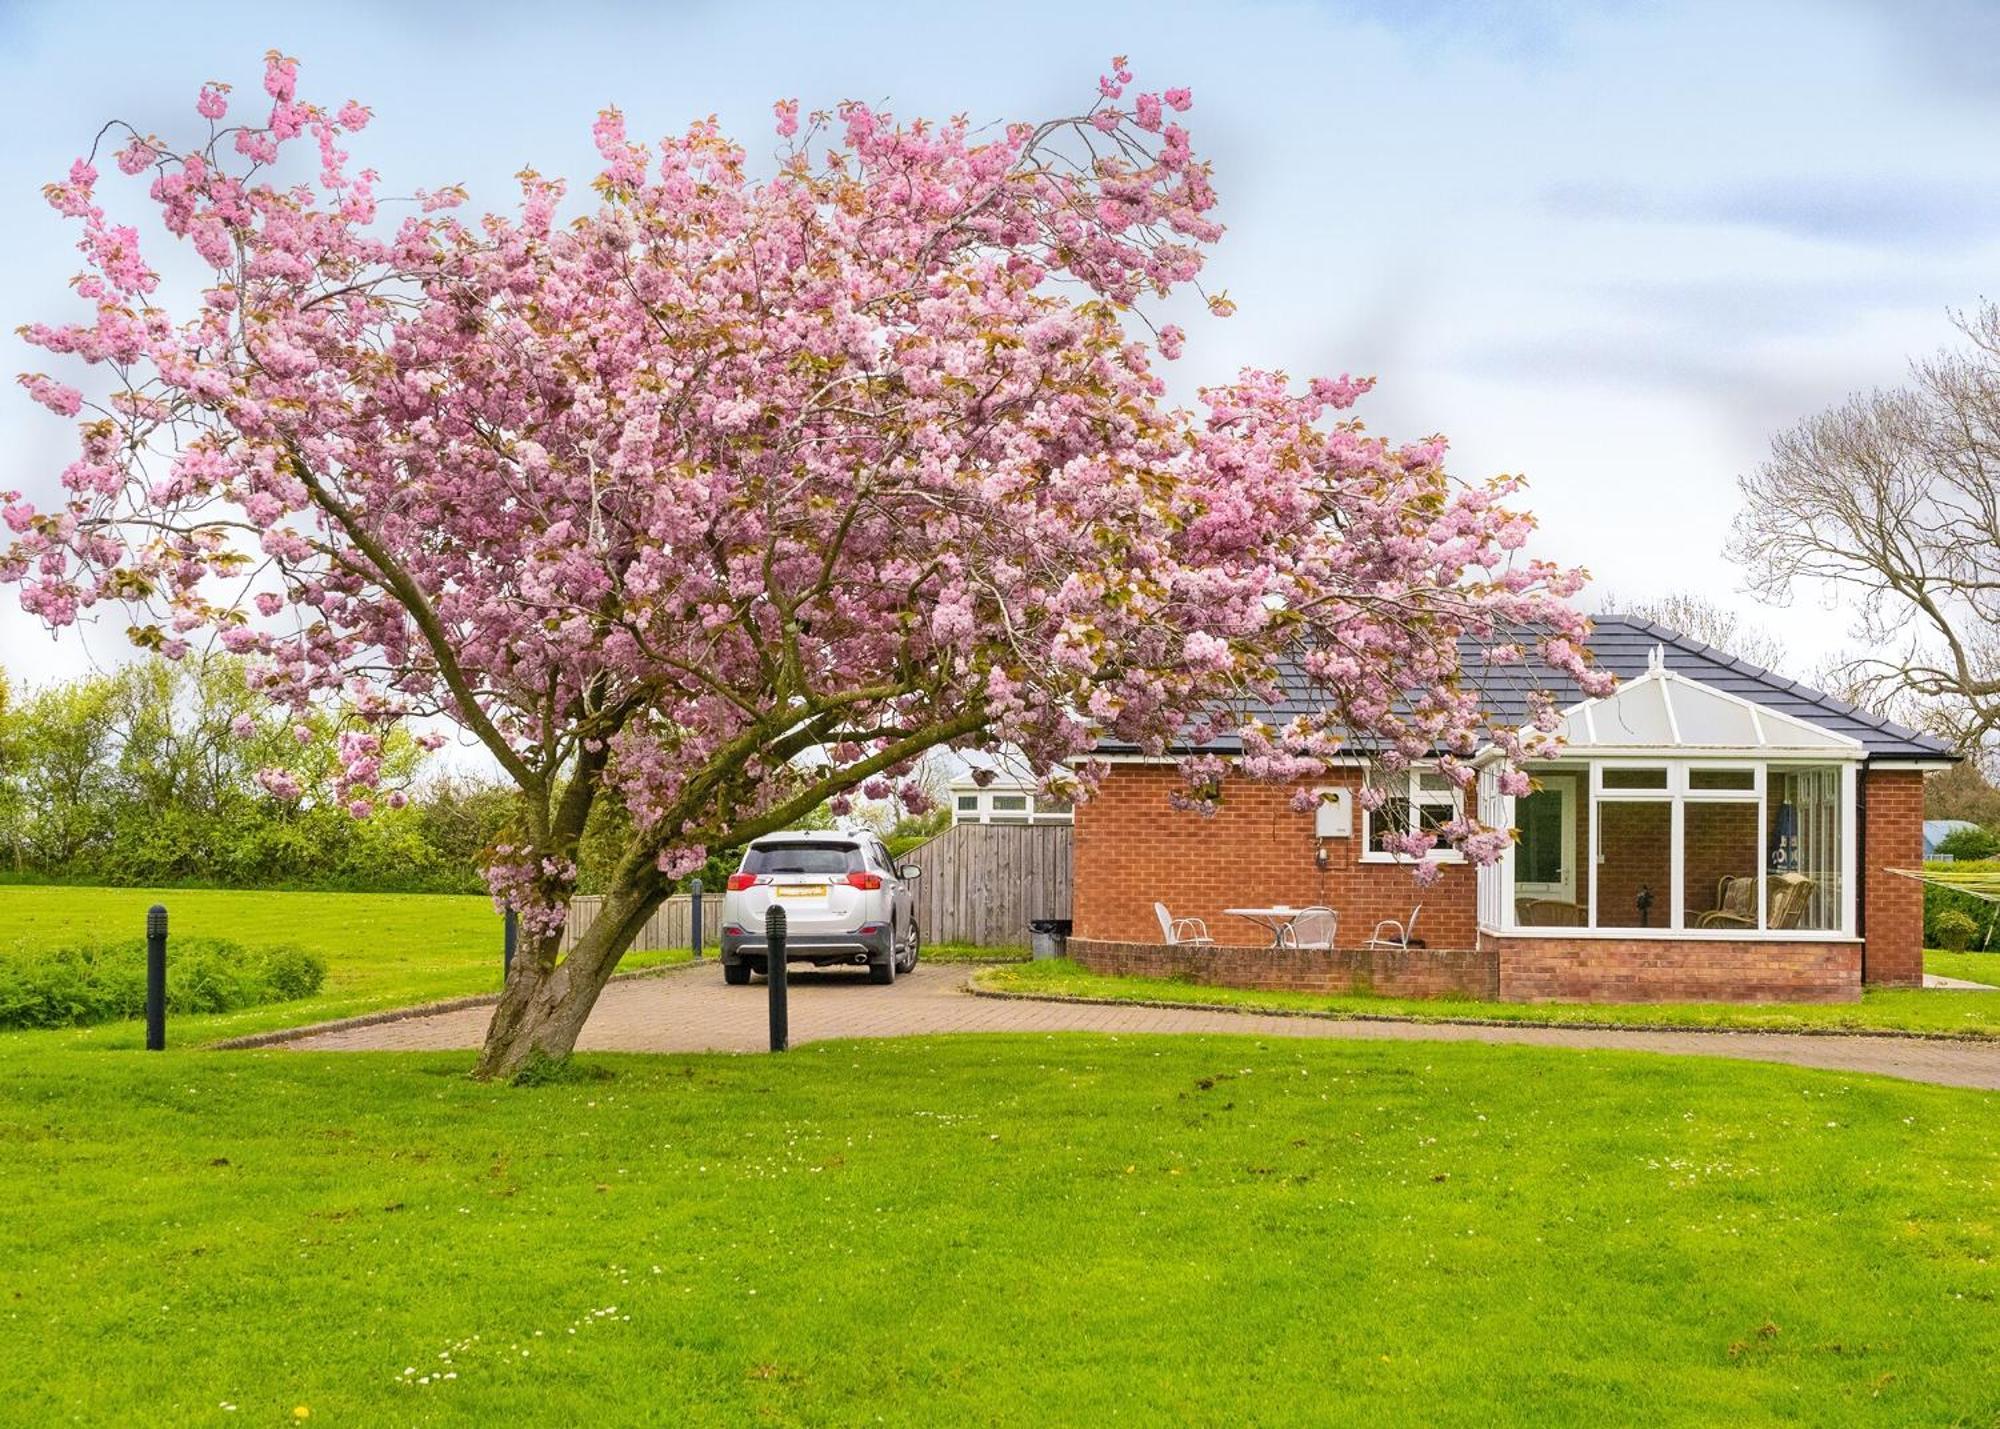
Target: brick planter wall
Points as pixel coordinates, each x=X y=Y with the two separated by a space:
x=1420 y=972
x=1675 y=970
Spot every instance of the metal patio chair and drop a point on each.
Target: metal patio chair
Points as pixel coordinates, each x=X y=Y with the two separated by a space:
x=1399 y=933
x=1175 y=931
x=1313 y=928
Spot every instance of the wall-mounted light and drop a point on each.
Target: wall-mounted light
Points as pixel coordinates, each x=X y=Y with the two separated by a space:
x=1322 y=857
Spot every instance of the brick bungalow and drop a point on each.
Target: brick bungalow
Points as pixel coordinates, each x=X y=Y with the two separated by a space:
x=1742 y=828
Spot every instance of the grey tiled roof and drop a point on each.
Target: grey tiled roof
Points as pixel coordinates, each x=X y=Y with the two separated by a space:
x=1622 y=645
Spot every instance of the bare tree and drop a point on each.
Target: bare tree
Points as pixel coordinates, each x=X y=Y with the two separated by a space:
x=1700 y=618
x=1894 y=498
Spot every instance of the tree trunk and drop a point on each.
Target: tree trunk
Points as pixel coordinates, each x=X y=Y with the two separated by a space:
x=547 y=1002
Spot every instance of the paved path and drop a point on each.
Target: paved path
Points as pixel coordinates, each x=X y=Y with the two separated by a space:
x=691 y=1010
x=1957 y=984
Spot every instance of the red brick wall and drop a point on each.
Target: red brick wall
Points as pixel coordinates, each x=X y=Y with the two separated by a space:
x=1544 y=969
x=1637 y=839
x=1133 y=849
x=1420 y=972
x=1892 y=908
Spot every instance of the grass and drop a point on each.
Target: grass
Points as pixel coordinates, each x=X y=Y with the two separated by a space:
x=382 y=950
x=995 y=1230
x=1937 y=1012
x=1974 y=967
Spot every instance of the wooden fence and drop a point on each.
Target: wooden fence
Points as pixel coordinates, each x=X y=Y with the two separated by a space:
x=981 y=884
x=669 y=927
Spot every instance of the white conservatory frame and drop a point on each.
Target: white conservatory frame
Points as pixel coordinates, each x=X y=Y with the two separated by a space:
x=1666 y=720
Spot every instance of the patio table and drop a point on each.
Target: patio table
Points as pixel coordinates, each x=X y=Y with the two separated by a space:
x=1273 y=920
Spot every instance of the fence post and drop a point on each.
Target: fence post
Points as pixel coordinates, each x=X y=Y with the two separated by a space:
x=156 y=978
x=694 y=917
x=510 y=939
x=774 y=977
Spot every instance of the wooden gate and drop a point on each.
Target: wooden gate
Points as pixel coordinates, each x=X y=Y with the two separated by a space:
x=983 y=882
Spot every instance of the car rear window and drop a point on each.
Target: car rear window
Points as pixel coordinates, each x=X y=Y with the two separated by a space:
x=802 y=858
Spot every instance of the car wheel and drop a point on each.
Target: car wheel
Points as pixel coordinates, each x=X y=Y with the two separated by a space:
x=736 y=974
x=910 y=966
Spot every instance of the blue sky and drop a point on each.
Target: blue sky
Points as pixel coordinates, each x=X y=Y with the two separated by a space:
x=1612 y=246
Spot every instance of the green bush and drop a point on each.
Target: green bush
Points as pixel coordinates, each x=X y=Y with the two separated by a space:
x=1969 y=845
x=101 y=982
x=1939 y=901
x=1954 y=930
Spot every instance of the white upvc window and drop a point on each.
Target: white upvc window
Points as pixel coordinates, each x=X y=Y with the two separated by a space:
x=1702 y=847
x=1417 y=799
x=1009 y=806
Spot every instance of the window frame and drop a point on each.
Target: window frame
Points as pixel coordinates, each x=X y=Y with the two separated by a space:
x=1678 y=794
x=1565 y=888
x=1415 y=793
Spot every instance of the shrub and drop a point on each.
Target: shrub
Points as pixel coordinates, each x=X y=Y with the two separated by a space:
x=76 y=985
x=1939 y=901
x=1954 y=929
x=1970 y=844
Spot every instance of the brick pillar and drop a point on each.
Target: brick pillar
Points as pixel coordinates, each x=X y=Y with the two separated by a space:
x=1892 y=907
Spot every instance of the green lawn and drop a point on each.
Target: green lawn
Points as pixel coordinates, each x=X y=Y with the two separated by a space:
x=1974 y=967
x=993 y=1230
x=382 y=950
x=1941 y=1012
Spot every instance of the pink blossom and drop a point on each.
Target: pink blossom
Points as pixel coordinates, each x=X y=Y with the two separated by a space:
x=63 y=400
x=736 y=476
x=281 y=76
x=212 y=104
x=787 y=111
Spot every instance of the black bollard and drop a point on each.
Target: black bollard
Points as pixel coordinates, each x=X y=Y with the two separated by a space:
x=774 y=970
x=510 y=939
x=694 y=917
x=156 y=978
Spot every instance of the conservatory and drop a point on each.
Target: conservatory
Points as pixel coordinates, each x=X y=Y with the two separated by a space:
x=1679 y=810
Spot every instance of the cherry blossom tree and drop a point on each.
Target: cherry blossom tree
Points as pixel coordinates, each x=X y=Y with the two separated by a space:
x=737 y=492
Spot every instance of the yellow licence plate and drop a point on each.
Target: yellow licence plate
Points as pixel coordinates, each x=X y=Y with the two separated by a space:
x=802 y=890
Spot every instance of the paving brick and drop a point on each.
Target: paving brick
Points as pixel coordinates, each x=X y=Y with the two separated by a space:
x=692 y=1011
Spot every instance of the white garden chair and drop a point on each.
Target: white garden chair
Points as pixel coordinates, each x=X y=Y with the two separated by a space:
x=1181 y=930
x=1313 y=928
x=1399 y=934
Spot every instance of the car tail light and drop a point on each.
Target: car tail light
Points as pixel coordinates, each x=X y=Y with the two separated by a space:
x=740 y=881
x=868 y=881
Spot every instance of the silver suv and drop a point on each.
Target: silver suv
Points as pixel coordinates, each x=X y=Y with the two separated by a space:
x=845 y=901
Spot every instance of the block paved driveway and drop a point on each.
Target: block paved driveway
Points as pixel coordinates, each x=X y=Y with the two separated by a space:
x=691 y=1010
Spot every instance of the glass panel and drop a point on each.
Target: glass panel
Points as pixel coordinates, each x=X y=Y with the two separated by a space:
x=1549 y=858
x=1743 y=780
x=1541 y=855
x=1635 y=715
x=1014 y=802
x=1436 y=805
x=968 y=802
x=1802 y=846
x=820 y=858
x=1708 y=718
x=1616 y=778
x=1634 y=863
x=1720 y=858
